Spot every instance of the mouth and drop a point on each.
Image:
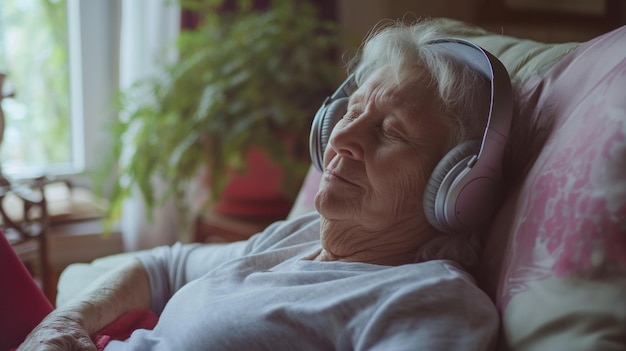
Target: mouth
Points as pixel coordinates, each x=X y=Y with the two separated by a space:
x=331 y=174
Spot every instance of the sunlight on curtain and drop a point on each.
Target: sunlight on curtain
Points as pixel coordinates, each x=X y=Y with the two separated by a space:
x=148 y=31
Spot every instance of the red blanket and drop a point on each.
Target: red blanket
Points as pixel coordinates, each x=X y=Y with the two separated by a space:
x=23 y=305
x=124 y=326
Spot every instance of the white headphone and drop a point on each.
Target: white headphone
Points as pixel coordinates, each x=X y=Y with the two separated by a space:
x=464 y=188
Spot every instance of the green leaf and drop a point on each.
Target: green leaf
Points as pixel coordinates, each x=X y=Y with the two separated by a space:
x=244 y=79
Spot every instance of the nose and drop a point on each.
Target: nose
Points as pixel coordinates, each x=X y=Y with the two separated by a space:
x=347 y=138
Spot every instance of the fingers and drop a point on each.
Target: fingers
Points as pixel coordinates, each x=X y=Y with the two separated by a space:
x=65 y=343
x=58 y=335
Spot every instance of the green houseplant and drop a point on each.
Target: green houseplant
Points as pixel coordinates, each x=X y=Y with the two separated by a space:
x=246 y=78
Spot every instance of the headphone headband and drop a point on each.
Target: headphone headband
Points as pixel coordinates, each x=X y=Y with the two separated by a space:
x=500 y=105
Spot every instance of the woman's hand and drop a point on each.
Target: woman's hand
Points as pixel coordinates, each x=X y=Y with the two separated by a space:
x=114 y=294
x=58 y=332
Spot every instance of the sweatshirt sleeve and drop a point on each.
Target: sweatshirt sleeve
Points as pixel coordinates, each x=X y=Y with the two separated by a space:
x=171 y=267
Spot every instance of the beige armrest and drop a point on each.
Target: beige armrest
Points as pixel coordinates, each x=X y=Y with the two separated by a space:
x=77 y=276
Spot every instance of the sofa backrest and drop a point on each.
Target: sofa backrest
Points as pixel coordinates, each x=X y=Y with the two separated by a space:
x=554 y=258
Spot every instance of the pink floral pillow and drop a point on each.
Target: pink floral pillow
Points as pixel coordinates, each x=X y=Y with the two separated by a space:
x=305 y=202
x=555 y=258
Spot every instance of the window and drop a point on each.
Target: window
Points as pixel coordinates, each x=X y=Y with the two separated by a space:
x=61 y=56
x=34 y=53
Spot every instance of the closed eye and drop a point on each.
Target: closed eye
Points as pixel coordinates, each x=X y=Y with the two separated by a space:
x=351 y=115
x=390 y=132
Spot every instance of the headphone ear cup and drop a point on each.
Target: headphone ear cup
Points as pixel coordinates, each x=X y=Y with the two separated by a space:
x=442 y=171
x=323 y=125
x=333 y=114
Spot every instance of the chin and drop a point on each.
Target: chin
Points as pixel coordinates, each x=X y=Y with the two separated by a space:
x=333 y=208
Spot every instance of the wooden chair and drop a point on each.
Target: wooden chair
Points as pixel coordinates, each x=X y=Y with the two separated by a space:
x=24 y=216
x=24 y=220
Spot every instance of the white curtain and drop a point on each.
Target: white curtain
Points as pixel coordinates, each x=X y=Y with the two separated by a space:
x=148 y=29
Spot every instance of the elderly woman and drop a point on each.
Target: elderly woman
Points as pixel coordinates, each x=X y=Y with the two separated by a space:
x=367 y=271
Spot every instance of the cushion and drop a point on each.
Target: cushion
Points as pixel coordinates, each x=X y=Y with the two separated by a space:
x=521 y=57
x=78 y=276
x=555 y=257
x=305 y=201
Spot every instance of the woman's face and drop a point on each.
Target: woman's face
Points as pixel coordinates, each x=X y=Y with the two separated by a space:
x=381 y=153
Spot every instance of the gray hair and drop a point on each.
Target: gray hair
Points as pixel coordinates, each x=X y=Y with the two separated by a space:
x=463 y=96
x=404 y=49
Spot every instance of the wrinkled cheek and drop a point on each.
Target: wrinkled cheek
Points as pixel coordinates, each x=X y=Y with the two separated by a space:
x=404 y=196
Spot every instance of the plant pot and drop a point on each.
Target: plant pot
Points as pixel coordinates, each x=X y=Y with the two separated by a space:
x=256 y=194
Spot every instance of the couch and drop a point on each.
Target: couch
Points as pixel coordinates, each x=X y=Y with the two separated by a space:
x=554 y=257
